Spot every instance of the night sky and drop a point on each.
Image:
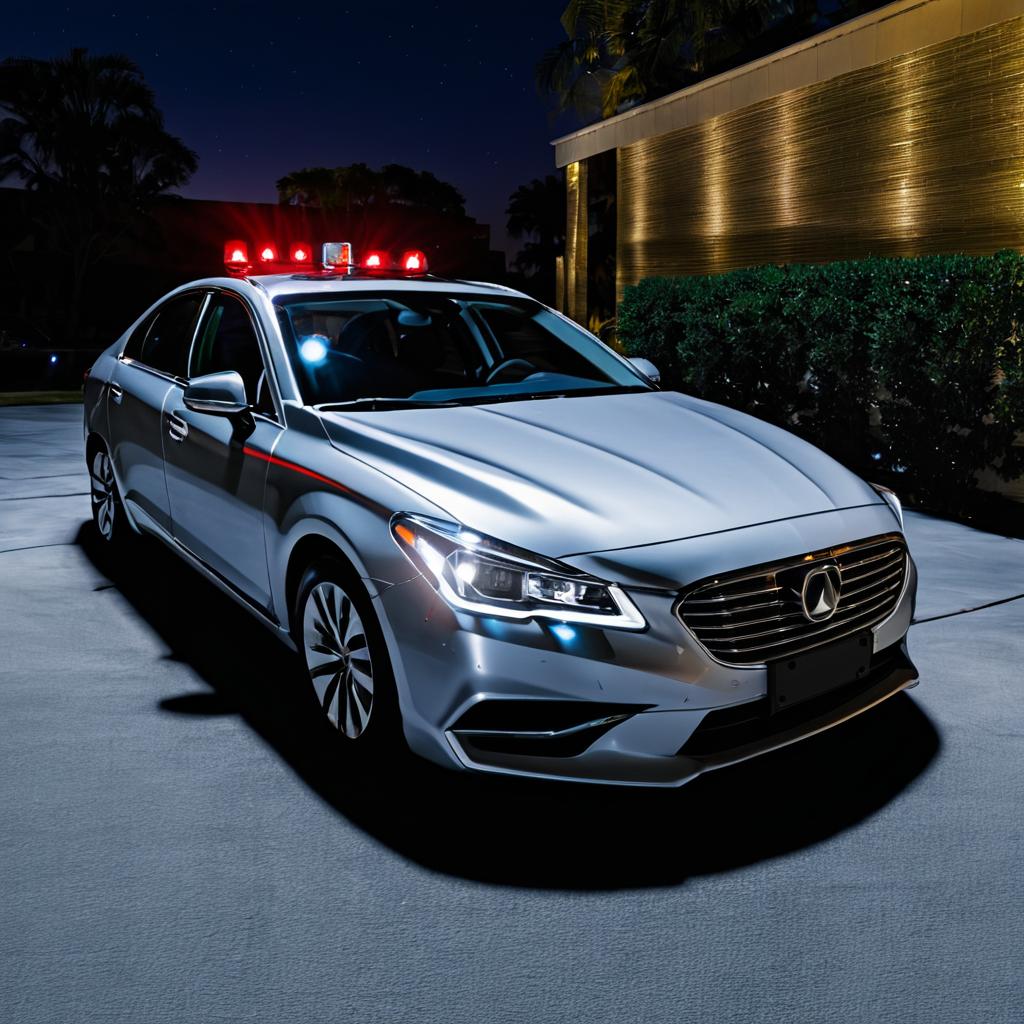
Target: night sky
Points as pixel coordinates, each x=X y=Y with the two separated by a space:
x=259 y=90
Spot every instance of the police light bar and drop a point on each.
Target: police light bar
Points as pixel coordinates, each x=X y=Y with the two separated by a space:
x=335 y=257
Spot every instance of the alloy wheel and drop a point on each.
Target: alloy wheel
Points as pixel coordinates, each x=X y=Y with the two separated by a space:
x=104 y=494
x=338 y=658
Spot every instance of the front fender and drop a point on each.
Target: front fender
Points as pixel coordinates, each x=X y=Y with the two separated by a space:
x=356 y=522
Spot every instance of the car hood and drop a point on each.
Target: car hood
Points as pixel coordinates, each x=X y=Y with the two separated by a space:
x=564 y=476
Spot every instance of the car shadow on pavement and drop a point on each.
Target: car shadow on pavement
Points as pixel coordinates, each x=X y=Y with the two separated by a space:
x=506 y=831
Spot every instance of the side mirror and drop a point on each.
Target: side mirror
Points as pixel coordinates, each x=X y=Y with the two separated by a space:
x=222 y=394
x=647 y=368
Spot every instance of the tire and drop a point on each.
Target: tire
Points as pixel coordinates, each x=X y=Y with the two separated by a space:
x=107 y=511
x=345 y=659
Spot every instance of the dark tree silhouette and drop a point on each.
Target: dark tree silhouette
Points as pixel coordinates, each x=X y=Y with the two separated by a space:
x=85 y=133
x=358 y=187
x=536 y=212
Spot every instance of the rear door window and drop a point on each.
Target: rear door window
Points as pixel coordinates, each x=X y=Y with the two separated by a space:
x=167 y=335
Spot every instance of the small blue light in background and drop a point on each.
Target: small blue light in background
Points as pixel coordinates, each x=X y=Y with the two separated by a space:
x=53 y=358
x=564 y=632
x=313 y=349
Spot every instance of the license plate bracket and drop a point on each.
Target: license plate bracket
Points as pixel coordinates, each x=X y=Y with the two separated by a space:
x=813 y=673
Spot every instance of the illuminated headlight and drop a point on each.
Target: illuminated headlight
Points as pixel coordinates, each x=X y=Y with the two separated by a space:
x=891 y=500
x=483 y=576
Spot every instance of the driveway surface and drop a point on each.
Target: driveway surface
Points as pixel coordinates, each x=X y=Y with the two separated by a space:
x=179 y=840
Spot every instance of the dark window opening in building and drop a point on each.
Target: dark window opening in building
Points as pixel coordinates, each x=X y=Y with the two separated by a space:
x=602 y=211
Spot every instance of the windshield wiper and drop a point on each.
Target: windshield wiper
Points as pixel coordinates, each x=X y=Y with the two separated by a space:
x=380 y=404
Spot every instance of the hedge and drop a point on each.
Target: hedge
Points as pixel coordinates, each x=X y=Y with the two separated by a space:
x=909 y=371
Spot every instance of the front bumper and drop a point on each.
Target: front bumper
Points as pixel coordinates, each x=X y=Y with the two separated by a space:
x=720 y=738
x=603 y=706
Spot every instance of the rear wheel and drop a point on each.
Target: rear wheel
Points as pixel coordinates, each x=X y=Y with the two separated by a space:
x=107 y=513
x=346 y=659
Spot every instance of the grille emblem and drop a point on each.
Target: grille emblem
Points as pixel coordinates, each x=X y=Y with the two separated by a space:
x=820 y=593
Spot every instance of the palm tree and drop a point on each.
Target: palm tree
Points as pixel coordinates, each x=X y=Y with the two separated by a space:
x=620 y=52
x=578 y=70
x=85 y=133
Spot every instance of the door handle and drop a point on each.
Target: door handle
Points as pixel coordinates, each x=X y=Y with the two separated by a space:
x=177 y=427
x=116 y=392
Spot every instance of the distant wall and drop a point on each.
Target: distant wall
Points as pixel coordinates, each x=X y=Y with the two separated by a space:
x=183 y=239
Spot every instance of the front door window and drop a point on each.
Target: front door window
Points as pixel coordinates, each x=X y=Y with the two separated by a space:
x=228 y=341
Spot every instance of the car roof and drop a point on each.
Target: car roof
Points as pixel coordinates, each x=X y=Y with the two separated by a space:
x=275 y=285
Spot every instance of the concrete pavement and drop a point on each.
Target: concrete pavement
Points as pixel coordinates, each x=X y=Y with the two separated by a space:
x=179 y=840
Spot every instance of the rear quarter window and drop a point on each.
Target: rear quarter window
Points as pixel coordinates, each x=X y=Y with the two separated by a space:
x=133 y=347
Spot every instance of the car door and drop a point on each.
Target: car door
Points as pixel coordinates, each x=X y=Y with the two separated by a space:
x=215 y=475
x=153 y=361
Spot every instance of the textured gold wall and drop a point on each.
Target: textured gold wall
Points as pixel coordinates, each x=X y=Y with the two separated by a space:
x=576 y=242
x=921 y=154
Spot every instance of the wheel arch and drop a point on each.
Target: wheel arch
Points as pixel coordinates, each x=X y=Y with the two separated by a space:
x=308 y=549
x=93 y=442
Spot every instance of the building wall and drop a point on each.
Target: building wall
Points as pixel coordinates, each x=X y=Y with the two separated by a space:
x=921 y=153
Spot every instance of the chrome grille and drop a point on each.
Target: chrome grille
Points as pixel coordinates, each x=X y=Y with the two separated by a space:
x=755 y=615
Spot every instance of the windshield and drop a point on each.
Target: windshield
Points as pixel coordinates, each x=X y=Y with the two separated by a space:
x=386 y=349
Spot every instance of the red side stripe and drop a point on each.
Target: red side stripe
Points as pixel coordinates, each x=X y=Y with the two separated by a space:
x=274 y=461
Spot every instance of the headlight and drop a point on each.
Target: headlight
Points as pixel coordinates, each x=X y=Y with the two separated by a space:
x=891 y=500
x=483 y=576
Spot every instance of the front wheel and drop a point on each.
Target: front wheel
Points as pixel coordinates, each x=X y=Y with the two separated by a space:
x=346 y=659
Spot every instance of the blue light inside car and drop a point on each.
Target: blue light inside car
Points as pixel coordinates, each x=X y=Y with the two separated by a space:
x=564 y=632
x=313 y=349
x=53 y=358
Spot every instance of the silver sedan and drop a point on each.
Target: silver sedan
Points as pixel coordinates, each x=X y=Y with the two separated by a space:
x=490 y=536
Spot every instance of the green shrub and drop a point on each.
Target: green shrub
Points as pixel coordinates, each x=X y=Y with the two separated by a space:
x=908 y=370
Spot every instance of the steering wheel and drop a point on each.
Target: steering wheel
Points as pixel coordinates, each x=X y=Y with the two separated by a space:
x=509 y=364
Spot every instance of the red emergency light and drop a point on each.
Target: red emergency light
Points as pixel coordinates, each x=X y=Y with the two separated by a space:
x=267 y=253
x=236 y=256
x=413 y=261
x=376 y=260
x=301 y=253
